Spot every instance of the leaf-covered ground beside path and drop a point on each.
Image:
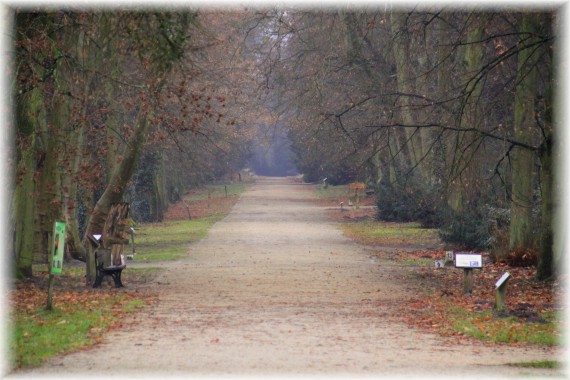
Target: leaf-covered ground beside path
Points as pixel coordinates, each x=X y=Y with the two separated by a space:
x=535 y=312
x=82 y=315
x=78 y=319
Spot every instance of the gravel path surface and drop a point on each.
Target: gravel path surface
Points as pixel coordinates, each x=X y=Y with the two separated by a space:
x=276 y=289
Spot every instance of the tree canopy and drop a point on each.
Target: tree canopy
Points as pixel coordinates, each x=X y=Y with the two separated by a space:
x=448 y=114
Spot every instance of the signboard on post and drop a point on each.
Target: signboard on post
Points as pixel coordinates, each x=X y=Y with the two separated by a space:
x=464 y=260
x=57 y=247
x=468 y=262
x=502 y=280
x=501 y=291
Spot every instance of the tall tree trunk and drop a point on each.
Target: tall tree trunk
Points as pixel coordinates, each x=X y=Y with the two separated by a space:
x=409 y=140
x=74 y=142
x=30 y=113
x=523 y=160
x=470 y=117
x=546 y=266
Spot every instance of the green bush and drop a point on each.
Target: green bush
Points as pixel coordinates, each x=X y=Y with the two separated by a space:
x=415 y=201
x=469 y=229
x=410 y=202
x=473 y=227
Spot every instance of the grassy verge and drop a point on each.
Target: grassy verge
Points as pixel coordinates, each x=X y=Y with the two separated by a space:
x=169 y=240
x=381 y=233
x=82 y=315
x=533 y=313
x=77 y=320
x=539 y=364
x=331 y=192
x=487 y=327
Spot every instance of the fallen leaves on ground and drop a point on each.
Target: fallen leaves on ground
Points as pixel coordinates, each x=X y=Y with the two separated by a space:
x=440 y=305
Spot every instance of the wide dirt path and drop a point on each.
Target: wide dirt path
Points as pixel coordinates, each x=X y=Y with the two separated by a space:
x=275 y=288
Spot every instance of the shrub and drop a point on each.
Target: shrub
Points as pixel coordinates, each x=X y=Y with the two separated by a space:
x=468 y=228
x=409 y=202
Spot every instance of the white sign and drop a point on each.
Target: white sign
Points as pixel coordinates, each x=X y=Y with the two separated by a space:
x=463 y=260
x=503 y=278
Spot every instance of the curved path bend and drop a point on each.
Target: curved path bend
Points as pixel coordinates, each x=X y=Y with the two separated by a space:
x=275 y=288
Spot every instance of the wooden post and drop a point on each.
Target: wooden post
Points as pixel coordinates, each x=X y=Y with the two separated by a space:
x=226 y=190
x=468 y=281
x=467 y=261
x=501 y=291
x=50 y=291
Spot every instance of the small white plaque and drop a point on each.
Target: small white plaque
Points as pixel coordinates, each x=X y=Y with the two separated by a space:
x=97 y=237
x=502 y=280
x=463 y=260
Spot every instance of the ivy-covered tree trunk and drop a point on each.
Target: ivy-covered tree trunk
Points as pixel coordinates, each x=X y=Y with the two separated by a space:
x=30 y=113
x=23 y=209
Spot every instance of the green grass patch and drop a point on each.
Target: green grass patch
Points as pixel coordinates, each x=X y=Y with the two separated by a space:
x=331 y=192
x=378 y=233
x=40 y=334
x=169 y=240
x=417 y=262
x=538 y=364
x=485 y=326
x=217 y=191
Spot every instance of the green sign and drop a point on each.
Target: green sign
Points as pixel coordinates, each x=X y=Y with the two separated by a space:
x=57 y=246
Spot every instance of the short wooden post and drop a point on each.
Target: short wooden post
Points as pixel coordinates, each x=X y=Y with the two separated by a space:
x=468 y=281
x=50 y=292
x=501 y=291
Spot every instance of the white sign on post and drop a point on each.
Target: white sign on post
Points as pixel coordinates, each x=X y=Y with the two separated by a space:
x=464 y=260
x=501 y=280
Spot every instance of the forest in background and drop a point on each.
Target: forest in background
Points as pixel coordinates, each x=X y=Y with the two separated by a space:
x=449 y=115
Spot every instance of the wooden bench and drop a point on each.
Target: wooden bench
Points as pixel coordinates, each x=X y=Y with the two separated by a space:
x=102 y=261
x=109 y=258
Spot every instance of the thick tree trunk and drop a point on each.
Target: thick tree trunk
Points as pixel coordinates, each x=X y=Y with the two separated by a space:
x=24 y=208
x=523 y=160
x=409 y=140
x=470 y=117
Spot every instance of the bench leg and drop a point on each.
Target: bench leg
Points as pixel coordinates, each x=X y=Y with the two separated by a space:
x=117 y=278
x=98 y=279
